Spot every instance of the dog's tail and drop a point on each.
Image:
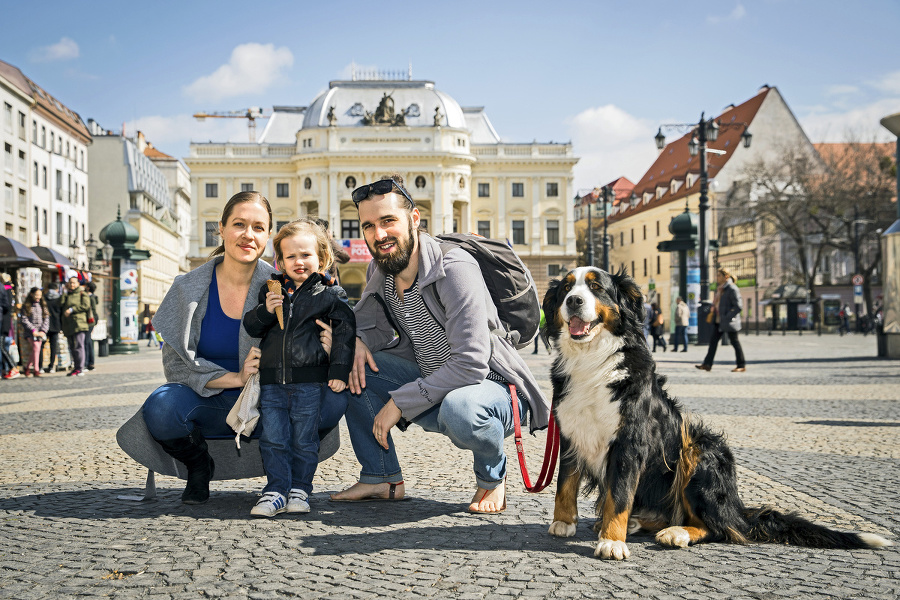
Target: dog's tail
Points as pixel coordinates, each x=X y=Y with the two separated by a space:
x=769 y=525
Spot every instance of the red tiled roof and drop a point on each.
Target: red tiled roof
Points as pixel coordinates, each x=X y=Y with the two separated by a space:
x=16 y=77
x=675 y=161
x=151 y=152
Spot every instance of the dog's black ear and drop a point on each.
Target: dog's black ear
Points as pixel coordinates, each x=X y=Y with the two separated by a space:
x=630 y=295
x=551 y=305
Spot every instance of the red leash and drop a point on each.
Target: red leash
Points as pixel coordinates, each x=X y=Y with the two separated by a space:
x=551 y=451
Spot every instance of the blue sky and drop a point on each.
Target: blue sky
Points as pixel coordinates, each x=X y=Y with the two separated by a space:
x=602 y=74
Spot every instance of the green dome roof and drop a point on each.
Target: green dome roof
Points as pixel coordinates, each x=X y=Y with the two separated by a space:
x=684 y=225
x=119 y=233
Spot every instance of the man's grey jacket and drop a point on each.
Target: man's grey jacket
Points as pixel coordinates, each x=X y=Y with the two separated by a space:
x=453 y=289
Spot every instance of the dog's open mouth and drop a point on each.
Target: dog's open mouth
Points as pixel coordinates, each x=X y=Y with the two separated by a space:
x=579 y=328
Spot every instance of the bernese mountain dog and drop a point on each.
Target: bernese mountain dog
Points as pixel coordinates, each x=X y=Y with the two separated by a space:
x=654 y=468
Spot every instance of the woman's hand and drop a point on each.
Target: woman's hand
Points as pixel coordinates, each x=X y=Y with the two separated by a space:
x=251 y=365
x=273 y=301
x=325 y=336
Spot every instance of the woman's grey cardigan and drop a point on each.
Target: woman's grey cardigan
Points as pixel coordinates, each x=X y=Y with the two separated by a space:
x=178 y=321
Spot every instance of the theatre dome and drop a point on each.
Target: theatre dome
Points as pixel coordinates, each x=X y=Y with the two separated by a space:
x=383 y=103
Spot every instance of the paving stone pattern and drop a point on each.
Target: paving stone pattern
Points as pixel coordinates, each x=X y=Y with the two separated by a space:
x=814 y=424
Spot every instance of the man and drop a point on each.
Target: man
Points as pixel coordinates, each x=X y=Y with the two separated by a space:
x=75 y=308
x=682 y=320
x=425 y=354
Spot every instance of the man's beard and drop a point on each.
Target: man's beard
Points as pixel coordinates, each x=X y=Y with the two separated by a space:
x=396 y=261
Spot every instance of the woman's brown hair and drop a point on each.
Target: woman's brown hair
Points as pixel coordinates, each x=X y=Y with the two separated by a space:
x=29 y=301
x=240 y=198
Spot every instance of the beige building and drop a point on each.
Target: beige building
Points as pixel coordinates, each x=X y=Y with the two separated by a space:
x=637 y=225
x=461 y=175
x=123 y=179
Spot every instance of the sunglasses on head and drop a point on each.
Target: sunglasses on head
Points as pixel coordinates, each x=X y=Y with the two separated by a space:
x=379 y=188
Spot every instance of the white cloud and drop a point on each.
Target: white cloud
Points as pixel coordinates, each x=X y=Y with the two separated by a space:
x=251 y=70
x=861 y=122
x=737 y=14
x=890 y=83
x=64 y=49
x=841 y=90
x=610 y=143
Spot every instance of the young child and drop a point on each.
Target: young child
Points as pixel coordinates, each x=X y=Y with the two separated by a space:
x=294 y=367
x=35 y=322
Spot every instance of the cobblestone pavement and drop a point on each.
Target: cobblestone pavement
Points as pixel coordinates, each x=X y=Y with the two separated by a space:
x=814 y=424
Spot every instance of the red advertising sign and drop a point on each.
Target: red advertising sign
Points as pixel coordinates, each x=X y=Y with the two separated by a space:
x=358 y=251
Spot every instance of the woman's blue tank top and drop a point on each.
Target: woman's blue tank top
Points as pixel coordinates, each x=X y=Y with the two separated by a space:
x=219 y=333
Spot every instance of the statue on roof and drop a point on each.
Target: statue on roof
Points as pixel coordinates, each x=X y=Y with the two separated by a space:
x=438 y=117
x=385 y=111
x=332 y=118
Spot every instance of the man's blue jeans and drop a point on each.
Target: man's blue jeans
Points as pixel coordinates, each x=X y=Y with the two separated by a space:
x=681 y=337
x=289 y=444
x=174 y=410
x=476 y=417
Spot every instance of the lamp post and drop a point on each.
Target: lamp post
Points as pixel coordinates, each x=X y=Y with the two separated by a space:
x=590 y=231
x=90 y=247
x=706 y=130
x=889 y=336
x=607 y=192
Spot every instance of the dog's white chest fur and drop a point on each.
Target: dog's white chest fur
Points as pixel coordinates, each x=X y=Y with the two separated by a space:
x=587 y=415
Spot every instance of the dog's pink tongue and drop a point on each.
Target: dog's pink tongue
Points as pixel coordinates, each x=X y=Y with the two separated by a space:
x=578 y=327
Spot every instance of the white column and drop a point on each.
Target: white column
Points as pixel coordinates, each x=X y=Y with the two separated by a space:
x=536 y=224
x=501 y=209
x=333 y=203
x=570 y=217
x=437 y=205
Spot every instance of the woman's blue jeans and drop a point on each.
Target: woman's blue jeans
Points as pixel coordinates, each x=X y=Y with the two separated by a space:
x=289 y=444
x=476 y=417
x=174 y=410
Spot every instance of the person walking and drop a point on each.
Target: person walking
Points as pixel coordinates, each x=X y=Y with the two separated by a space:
x=425 y=354
x=75 y=307
x=727 y=307
x=540 y=335
x=657 y=327
x=682 y=320
x=293 y=368
x=35 y=322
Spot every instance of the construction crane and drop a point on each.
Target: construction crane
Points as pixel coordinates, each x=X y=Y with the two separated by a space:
x=251 y=114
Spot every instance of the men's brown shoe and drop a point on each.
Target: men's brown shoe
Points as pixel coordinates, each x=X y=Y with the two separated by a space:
x=704 y=367
x=738 y=370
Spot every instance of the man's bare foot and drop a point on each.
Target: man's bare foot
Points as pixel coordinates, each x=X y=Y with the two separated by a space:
x=368 y=492
x=489 y=501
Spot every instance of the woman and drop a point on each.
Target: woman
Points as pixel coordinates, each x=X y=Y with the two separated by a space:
x=726 y=311
x=208 y=356
x=35 y=323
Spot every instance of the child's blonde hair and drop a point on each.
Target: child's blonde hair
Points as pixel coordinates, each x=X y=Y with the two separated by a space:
x=323 y=243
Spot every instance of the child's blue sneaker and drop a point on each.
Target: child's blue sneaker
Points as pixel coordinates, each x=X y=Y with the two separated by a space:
x=271 y=504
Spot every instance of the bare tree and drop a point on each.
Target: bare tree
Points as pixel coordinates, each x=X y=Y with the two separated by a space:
x=781 y=194
x=855 y=193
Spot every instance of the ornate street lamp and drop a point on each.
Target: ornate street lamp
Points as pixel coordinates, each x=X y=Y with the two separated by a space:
x=609 y=197
x=120 y=236
x=91 y=247
x=704 y=131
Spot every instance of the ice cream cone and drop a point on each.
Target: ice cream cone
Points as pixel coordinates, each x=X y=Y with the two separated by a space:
x=275 y=286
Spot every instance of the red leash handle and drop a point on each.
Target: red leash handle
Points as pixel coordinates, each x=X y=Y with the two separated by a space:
x=551 y=451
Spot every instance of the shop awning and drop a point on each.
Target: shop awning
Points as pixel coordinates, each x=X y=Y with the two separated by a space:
x=17 y=254
x=52 y=256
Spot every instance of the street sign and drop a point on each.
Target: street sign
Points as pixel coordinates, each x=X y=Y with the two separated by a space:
x=857 y=280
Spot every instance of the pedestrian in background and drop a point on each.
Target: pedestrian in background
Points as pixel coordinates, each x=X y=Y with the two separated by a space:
x=540 y=335
x=682 y=320
x=7 y=309
x=92 y=319
x=845 y=319
x=657 y=327
x=726 y=308
x=648 y=318
x=53 y=300
x=76 y=306
x=341 y=256
x=35 y=321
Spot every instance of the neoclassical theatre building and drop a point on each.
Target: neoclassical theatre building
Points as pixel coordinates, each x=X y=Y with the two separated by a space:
x=463 y=178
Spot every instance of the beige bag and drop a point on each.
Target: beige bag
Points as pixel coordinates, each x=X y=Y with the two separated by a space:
x=245 y=413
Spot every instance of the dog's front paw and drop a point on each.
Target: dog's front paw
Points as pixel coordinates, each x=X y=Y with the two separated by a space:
x=611 y=549
x=562 y=529
x=674 y=537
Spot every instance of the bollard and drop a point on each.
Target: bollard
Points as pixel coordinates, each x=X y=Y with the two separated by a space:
x=103 y=347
